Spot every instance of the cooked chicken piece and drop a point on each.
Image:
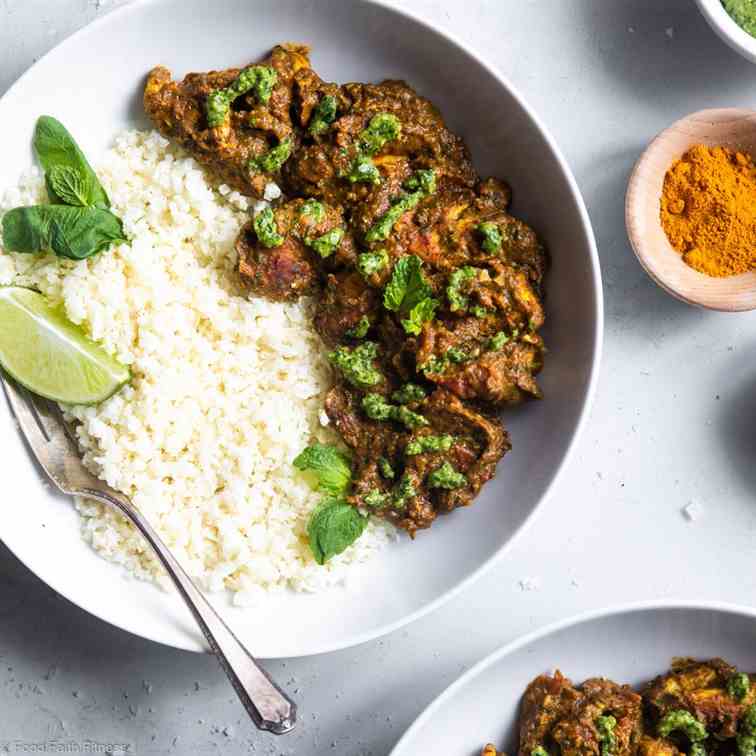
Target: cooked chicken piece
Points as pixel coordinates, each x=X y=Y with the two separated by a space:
x=247 y=147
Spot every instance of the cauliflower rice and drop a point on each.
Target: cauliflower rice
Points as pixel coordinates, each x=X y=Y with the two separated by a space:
x=226 y=390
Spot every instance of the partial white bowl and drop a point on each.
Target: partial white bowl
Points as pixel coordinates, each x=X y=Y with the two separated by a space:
x=93 y=81
x=626 y=644
x=727 y=29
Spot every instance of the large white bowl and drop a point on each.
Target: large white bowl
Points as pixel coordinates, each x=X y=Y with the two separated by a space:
x=626 y=644
x=93 y=83
x=727 y=29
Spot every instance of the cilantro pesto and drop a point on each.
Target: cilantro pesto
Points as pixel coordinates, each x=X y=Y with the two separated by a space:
x=273 y=159
x=259 y=80
x=323 y=115
x=358 y=365
x=265 y=228
x=743 y=12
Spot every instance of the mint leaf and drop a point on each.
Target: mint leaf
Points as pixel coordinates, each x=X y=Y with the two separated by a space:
x=331 y=466
x=56 y=148
x=334 y=526
x=69 y=185
x=73 y=232
x=407 y=285
x=421 y=313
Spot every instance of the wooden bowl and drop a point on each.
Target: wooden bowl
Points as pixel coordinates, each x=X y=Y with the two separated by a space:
x=731 y=127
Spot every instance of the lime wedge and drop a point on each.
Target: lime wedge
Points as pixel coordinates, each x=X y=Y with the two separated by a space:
x=48 y=354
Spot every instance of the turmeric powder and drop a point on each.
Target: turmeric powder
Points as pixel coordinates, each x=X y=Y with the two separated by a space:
x=708 y=210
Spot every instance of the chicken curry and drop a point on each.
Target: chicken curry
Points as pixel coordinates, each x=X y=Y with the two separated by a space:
x=428 y=291
x=697 y=708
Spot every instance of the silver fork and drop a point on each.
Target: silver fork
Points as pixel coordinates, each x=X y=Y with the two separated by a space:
x=55 y=448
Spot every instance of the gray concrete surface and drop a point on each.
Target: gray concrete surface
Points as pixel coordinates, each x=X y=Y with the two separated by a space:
x=673 y=424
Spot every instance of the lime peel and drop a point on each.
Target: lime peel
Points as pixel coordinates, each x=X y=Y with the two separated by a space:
x=51 y=356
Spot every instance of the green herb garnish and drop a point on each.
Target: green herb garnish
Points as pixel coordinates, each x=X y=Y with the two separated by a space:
x=257 y=79
x=330 y=465
x=72 y=232
x=539 y=751
x=357 y=365
x=326 y=244
x=685 y=722
x=739 y=685
x=423 y=444
x=498 y=340
x=265 y=227
x=334 y=526
x=458 y=281
x=311 y=208
x=446 y=477
x=492 y=237
x=372 y=262
x=382 y=228
x=78 y=224
x=377 y=408
x=323 y=115
x=69 y=177
x=273 y=159
x=608 y=740
x=383 y=128
x=409 y=393
x=387 y=471
x=746 y=739
x=363 y=170
x=360 y=330
x=403 y=491
x=423 y=179
x=375 y=499
x=409 y=293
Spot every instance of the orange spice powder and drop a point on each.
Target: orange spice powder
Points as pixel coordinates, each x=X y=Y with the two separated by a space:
x=708 y=210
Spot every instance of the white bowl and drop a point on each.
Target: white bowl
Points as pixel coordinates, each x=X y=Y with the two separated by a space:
x=93 y=83
x=727 y=29
x=626 y=644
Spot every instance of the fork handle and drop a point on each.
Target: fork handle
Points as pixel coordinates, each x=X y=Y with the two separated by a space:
x=269 y=708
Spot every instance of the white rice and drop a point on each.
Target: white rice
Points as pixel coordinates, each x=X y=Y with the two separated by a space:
x=226 y=390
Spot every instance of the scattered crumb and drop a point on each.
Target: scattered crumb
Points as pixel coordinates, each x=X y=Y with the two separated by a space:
x=631 y=29
x=670 y=32
x=692 y=511
x=530 y=584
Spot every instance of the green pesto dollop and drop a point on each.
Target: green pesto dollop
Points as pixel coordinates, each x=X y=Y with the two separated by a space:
x=257 y=79
x=446 y=477
x=326 y=244
x=323 y=115
x=377 y=408
x=423 y=179
x=372 y=262
x=403 y=492
x=739 y=685
x=498 y=340
x=458 y=280
x=539 y=751
x=356 y=365
x=362 y=327
x=387 y=471
x=383 y=128
x=605 y=726
x=266 y=229
x=273 y=159
x=381 y=229
x=685 y=722
x=491 y=237
x=481 y=312
x=424 y=444
x=743 y=12
x=375 y=499
x=311 y=208
x=746 y=739
x=363 y=171
x=409 y=393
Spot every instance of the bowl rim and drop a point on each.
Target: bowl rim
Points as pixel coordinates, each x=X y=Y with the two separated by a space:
x=727 y=29
x=613 y=610
x=89 y=604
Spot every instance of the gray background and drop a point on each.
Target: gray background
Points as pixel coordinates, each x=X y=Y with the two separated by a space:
x=672 y=426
